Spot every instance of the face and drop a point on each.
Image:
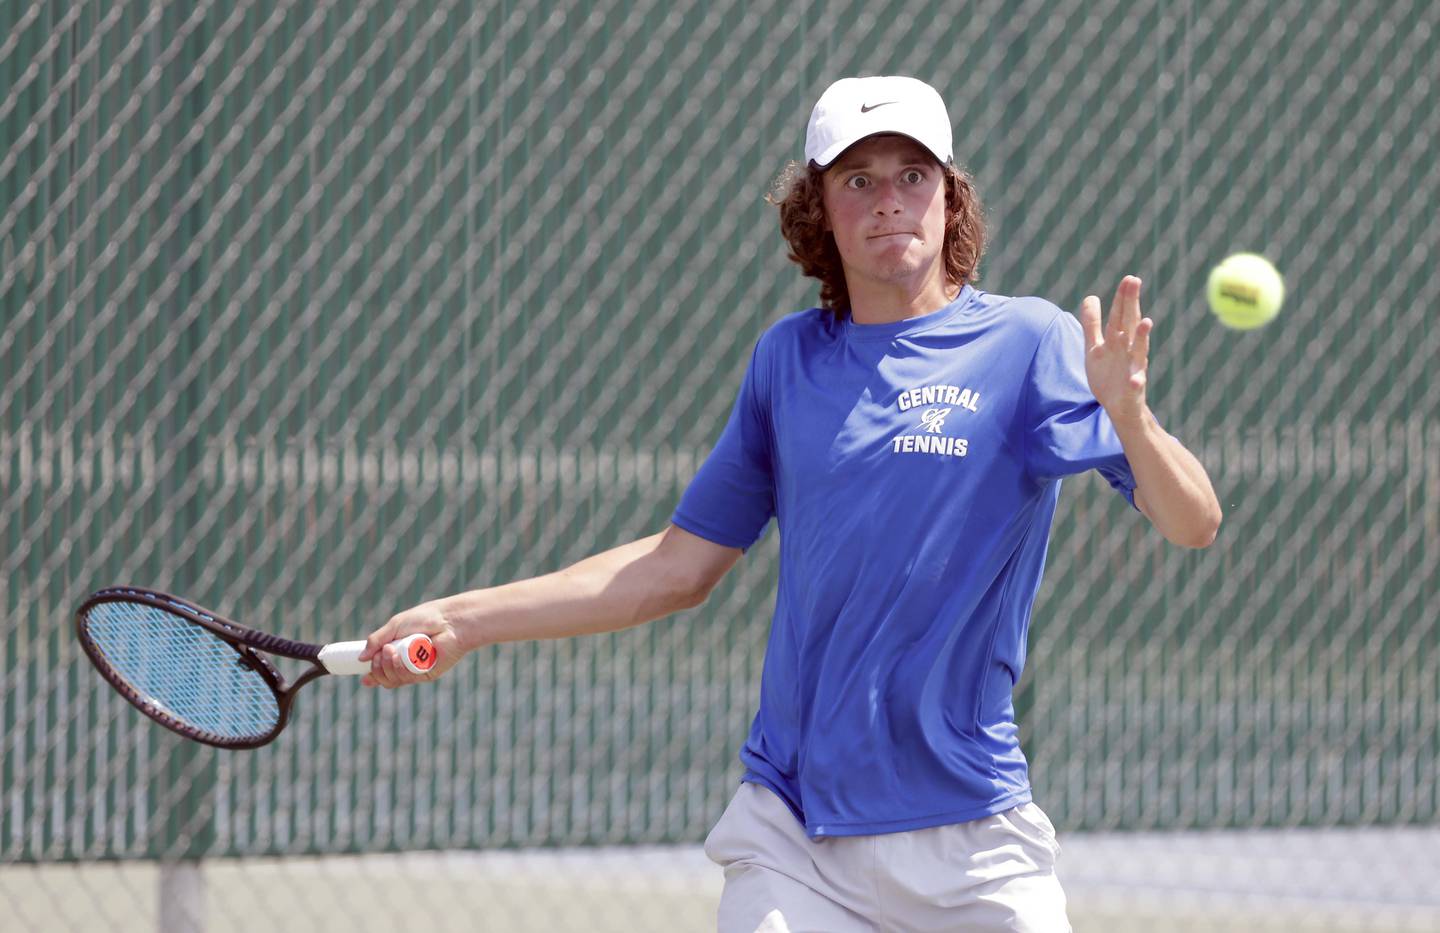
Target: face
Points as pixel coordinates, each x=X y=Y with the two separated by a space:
x=885 y=203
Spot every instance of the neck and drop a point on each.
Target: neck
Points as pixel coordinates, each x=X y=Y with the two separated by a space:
x=887 y=302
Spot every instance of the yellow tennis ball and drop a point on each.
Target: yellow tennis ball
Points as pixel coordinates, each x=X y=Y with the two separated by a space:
x=1245 y=291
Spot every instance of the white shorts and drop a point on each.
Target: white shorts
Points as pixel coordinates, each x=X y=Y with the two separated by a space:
x=995 y=873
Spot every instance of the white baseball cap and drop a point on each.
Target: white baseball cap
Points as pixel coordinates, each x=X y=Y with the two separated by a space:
x=853 y=108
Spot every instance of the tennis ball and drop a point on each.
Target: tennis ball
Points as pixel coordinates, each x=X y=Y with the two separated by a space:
x=1245 y=291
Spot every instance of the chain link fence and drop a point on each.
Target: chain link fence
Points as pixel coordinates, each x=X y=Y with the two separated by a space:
x=312 y=311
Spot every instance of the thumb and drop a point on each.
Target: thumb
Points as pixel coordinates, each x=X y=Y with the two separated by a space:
x=1090 y=321
x=381 y=637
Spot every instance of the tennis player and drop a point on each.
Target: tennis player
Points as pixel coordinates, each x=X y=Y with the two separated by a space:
x=909 y=436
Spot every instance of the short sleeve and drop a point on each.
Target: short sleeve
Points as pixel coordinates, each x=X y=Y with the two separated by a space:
x=1067 y=432
x=732 y=497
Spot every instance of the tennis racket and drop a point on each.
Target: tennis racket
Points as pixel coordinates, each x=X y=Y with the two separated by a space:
x=204 y=676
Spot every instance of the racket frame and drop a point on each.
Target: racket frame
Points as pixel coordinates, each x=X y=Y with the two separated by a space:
x=247 y=642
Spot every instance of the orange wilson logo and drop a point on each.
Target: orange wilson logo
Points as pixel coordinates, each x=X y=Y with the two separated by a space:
x=422 y=655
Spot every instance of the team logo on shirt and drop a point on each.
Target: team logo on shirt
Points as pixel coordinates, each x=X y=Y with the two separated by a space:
x=933 y=439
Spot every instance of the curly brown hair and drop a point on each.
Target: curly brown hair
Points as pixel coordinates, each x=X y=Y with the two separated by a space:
x=797 y=191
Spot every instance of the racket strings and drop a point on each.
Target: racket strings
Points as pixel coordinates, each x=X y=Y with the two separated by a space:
x=184 y=670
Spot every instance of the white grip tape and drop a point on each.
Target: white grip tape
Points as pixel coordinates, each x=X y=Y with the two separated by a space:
x=417 y=653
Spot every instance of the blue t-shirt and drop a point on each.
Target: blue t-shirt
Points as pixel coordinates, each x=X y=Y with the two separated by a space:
x=913 y=470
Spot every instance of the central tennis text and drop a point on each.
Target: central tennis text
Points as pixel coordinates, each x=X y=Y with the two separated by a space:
x=932 y=437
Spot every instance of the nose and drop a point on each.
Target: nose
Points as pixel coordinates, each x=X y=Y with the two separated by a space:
x=887 y=200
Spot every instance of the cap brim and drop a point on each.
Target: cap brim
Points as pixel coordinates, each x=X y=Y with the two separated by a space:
x=836 y=150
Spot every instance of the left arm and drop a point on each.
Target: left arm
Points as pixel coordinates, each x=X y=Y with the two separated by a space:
x=1172 y=489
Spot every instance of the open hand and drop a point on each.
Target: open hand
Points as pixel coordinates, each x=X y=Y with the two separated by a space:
x=1117 y=356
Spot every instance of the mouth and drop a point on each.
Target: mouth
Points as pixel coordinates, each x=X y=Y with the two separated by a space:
x=881 y=236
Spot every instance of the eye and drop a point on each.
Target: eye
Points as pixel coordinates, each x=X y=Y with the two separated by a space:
x=914 y=176
x=856 y=182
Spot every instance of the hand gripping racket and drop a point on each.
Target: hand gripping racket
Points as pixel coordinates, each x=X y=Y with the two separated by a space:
x=204 y=676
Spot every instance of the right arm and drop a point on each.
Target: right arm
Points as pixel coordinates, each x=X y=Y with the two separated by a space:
x=623 y=587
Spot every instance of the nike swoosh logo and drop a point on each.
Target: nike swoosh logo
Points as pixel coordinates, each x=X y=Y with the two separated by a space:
x=866 y=109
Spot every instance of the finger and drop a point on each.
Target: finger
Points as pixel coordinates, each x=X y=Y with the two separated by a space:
x=1090 y=321
x=380 y=637
x=395 y=673
x=1140 y=349
x=1131 y=305
x=1115 y=323
x=377 y=675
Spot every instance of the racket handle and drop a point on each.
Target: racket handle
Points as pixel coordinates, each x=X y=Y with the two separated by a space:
x=343 y=657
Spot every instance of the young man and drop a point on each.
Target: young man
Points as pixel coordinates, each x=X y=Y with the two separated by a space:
x=909 y=437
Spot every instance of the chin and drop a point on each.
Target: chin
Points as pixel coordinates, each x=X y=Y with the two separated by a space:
x=897 y=269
